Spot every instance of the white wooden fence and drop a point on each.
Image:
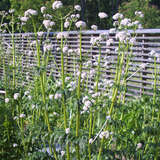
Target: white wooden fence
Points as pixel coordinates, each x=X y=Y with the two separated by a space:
x=140 y=83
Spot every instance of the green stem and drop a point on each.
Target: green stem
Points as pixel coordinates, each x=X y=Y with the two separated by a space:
x=78 y=96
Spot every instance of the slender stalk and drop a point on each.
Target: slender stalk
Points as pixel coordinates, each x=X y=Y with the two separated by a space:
x=63 y=87
x=13 y=54
x=78 y=96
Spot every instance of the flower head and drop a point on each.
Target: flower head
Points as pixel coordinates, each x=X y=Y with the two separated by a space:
x=16 y=96
x=94 y=27
x=104 y=134
x=80 y=24
x=66 y=24
x=6 y=100
x=24 y=19
x=77 y=7
x=43 y=9
x=102 y=15
x=118 y=16
x=57 y=5
x=30 y=12
x=22 y=115
x=67 y=130
x=139 y=145
x=57 y=96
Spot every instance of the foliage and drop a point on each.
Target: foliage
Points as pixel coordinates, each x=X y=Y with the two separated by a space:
x=151 y=13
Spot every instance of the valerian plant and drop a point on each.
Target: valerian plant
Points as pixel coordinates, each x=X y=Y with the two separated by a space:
x=78 y=115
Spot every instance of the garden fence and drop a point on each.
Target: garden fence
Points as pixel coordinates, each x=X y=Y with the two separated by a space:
x=141 y=81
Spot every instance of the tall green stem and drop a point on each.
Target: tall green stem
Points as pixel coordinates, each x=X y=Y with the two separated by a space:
x=78 y=96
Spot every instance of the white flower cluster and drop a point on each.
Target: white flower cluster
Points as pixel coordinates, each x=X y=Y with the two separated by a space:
x=24 y=19
x=48 y=24
x=125 y=22
x=139 y=13
x=47 y=47
x=123 y=36
x=16 y=96
x=43 y=9
x=47 y=16
x=11 y=11
x=139 y=146
x=80 y=24
x=102 y=15
x=87 y=104
x=67 y=130
x=71 y=86
x=117 y=16
x=104 y=134
x=94 y=27
x=30 y=12
x=95 y=41
x=57 y=5
x=6 y=100
x=57 y=96
x=62 y=35
x=27 y=15
x=77 y=7
x=66 y=24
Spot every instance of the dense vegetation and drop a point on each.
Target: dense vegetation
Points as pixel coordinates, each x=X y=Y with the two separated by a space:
x=64 y=117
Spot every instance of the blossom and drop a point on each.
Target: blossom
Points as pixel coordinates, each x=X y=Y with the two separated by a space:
x=139 y=13
x=16 y=117
x=6 y=100
x=16 y=95
x=139 y=145
x=62 y=153
x=122 y=35
x=30 y=12
x=132 y=40
x=104 y=134
x=102 y=15
x=11 y=11
x=77 y=7
x=152 y=53
x=15 y=145
x=24 y=19
x=40 y=34
x=48 y=16
x=26 y=93
x=90 y=141
x=108 y=117
x=117 y=16
x=67 y=130
x=77 y=16
x=51 y=96
x=125 y=22
x=47 y=47
x=109 y=42
x=57 y=5
x=29 y=97
x=57 y=96
x=48 y=23
x=95 y=41
x=43 y=9
x=87 y=105
x=80 y=24
x=66 y=24
x=62 y=35
x=94 y=27
x=22 y=115
x=65 y=49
